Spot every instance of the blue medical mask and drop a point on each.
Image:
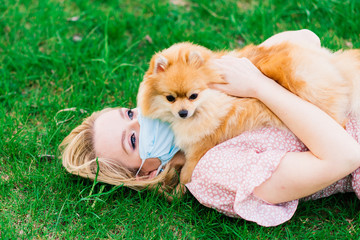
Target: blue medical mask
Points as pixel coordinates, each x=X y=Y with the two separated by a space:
x=156 y=140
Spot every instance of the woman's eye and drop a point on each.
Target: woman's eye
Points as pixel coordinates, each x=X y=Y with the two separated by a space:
x=133 y=141
x=130 y=114
x=193 y=96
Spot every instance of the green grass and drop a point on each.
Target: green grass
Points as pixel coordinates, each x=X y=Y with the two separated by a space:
x=43 y=70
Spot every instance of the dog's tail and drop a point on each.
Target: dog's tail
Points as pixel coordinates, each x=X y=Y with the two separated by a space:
x=355 y=98
x=349 y=63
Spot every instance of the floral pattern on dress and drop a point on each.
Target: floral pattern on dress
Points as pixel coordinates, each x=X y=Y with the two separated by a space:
x=225 y=177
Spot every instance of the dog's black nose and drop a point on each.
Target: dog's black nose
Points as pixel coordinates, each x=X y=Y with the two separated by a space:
x=183 y=113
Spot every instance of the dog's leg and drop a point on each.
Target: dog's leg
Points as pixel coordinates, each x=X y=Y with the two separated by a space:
x=187 y=170
x=192 y=158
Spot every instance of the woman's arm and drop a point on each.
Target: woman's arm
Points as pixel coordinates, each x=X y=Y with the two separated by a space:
x=302 y=37
x=333 y=152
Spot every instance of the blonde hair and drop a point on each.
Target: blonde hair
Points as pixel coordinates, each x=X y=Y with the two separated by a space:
x=78 y=157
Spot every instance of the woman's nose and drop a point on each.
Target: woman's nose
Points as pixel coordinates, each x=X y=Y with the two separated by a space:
x=135 y=111
x=134 y=124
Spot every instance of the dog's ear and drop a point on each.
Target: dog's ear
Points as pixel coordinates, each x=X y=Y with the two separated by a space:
x=195 y=59
x=160 y=64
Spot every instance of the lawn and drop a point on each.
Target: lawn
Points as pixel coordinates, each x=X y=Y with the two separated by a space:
x=61 y=60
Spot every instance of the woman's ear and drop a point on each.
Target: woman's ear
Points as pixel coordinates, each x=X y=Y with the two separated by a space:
x=161 y=64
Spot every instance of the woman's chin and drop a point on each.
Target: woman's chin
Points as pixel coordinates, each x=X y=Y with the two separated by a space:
x=152 y=174
x=149 y=176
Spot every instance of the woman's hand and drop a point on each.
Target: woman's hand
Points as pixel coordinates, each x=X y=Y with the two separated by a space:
x=242 y=77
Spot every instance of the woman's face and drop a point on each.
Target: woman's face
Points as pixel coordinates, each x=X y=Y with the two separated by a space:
x=117 y=138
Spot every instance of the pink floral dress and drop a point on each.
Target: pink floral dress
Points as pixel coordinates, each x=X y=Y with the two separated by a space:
x=226 y=176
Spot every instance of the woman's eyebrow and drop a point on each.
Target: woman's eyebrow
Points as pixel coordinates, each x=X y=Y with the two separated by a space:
x=122 y=142
x=123 y=133
x=121 y=114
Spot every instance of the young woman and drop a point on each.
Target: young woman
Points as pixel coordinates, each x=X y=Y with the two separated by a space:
x=247 y=176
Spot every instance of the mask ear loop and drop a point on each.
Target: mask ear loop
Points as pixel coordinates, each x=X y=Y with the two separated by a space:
x=160 y=169
x=142 y=163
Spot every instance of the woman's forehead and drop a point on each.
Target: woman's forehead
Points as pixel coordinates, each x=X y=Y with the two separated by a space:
x=108 y=129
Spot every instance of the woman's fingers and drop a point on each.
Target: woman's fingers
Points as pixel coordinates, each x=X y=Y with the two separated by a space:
x=240 y=74
x=221 y=87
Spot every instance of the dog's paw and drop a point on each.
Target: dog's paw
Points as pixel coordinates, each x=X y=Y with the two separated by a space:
x=180 y=190
x=177 y=193
x=169 y=198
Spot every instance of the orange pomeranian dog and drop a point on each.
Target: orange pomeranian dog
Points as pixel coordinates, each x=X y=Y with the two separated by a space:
x=175 y=89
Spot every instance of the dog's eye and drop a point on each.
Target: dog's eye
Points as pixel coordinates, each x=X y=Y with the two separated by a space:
x=193 y=96
x=170 y=98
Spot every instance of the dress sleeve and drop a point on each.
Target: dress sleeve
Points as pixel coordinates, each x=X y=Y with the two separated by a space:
x=353 y=128
x=226 y=176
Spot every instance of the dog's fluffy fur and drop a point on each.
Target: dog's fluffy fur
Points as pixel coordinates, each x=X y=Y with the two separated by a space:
x=178 y=79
